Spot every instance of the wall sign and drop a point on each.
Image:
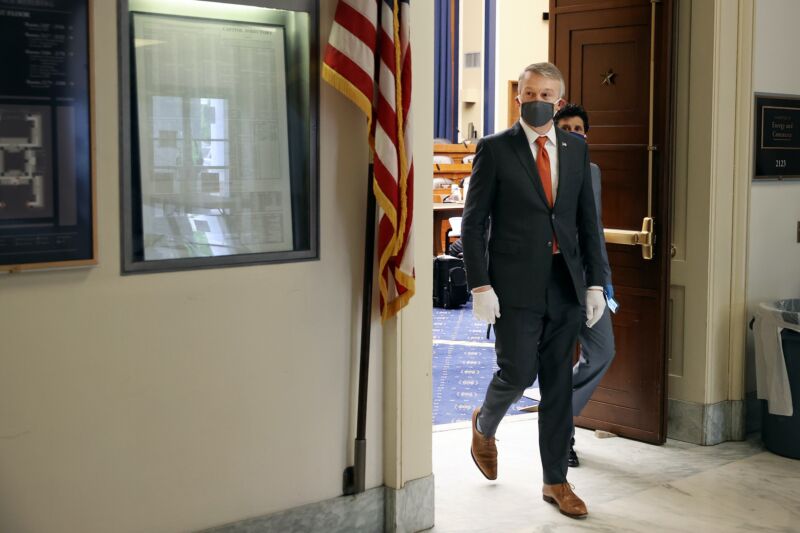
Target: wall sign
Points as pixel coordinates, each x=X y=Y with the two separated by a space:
x=777 y=137
x=46 y=192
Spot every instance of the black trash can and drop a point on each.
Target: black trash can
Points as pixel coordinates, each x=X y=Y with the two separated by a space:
x=781 y=434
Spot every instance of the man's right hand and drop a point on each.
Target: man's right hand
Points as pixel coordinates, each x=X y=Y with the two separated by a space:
x=485 y=305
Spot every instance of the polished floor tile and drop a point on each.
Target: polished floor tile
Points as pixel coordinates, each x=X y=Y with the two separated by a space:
x=629 y=486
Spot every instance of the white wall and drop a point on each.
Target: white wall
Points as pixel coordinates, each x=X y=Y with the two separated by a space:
x=774 y=254
x=179 y=401
x=522 y=39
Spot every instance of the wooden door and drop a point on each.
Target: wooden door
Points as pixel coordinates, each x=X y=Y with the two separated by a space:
x=603 y=48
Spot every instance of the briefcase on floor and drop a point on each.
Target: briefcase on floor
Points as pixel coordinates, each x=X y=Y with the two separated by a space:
x=449 y=282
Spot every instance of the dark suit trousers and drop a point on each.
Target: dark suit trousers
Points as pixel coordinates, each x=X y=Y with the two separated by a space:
x=533 y=341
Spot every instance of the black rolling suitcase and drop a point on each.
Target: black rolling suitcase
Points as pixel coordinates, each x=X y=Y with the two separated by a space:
x=449 y=282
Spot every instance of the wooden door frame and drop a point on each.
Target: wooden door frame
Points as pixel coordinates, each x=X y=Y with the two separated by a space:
x=665 y=98
x=663 y=112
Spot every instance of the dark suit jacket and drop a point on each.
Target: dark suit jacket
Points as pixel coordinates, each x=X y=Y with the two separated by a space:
x=598 y=205
x=505 y=187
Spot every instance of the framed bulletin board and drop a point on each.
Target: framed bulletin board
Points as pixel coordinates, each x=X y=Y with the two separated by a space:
x=777 y=137
x=47 y=216
x=219 y=139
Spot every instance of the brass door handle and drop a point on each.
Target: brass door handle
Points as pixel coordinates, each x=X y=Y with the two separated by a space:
x=644 y=238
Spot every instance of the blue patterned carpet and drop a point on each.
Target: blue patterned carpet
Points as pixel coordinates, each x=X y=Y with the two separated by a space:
x=462 y=372
x=458 y=325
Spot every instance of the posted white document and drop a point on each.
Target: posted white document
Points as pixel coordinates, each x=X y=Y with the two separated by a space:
x=213 y=137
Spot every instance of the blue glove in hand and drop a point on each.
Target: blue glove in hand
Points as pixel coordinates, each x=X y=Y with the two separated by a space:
x=609 y=290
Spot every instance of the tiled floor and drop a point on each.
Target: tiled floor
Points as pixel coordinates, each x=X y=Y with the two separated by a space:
x=628 y=486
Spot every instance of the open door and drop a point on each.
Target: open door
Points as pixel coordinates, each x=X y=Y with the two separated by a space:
x=615 y=57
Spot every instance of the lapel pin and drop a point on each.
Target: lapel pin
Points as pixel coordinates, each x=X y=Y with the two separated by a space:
x=563 y=143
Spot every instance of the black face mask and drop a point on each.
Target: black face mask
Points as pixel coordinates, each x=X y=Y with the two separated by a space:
x=537 y=113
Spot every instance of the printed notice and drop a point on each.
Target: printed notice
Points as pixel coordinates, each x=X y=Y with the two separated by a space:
x=213 y=137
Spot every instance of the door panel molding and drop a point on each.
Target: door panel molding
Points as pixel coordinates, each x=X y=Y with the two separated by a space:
x=677 y=315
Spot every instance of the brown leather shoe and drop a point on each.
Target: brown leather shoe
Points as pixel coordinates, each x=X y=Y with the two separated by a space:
x=483 y=450
x=568 y=503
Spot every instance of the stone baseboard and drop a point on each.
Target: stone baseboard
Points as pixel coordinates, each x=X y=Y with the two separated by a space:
x=706 y=424
x=376 y=510
x=409 y=509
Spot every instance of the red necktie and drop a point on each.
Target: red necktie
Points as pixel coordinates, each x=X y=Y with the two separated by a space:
x=543 y=165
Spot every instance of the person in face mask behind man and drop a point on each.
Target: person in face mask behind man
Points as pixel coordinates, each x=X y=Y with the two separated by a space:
x=531 y=189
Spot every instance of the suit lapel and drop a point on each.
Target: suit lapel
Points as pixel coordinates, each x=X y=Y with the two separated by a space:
x=523 y=151
x=564 y=143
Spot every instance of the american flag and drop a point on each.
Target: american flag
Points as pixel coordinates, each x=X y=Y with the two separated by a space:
x=363 y=30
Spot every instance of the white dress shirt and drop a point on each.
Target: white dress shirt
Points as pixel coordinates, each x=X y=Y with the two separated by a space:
x=552 y=151
x=549 y=145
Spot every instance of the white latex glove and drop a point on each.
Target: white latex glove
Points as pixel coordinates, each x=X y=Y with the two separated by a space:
x=485 y=306
x=595 y=305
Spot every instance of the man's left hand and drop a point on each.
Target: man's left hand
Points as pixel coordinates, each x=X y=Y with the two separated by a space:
x=595 y=306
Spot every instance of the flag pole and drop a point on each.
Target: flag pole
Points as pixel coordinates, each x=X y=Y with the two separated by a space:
x=354 y=475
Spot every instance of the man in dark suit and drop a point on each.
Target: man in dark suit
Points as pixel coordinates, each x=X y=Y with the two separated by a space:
x=531 y=189
x=597 y=343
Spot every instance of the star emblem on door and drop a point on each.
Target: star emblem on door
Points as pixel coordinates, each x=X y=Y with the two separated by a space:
x=608 y=77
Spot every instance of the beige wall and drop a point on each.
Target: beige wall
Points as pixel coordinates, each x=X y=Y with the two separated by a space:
x=471 y=34
x=172 y=402
x=774 y=254
x=522 y=39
